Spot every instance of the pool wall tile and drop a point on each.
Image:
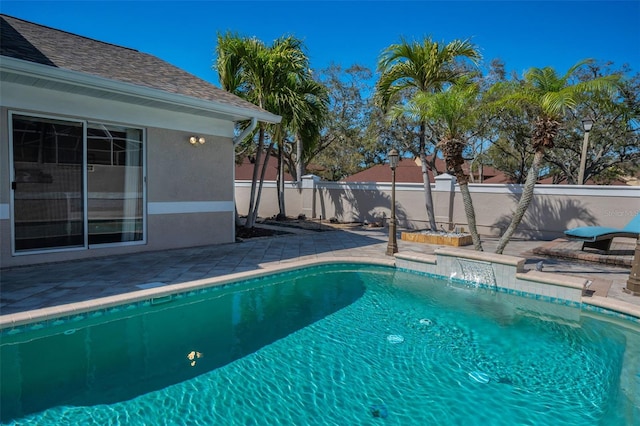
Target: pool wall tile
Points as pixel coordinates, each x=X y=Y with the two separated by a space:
x=552 y=285
x=422 y=263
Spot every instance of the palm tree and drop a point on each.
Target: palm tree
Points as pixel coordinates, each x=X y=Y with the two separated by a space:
x=262 y=75
x=423 y=67
x=455 y=110
x=303 y=115
x=551 y=95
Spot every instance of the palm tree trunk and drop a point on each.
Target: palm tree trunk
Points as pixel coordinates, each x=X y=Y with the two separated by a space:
x=260 y=185
x=452 y=150
x=281 y=181
x=471 y=216
x=299 y=165
x=428 y=198
x=237 y=216
x=525 y=200
x=251 y=214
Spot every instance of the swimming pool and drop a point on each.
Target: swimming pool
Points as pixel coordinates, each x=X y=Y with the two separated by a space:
x=327 y=345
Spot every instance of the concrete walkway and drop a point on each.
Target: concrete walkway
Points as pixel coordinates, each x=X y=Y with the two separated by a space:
x=27 y=288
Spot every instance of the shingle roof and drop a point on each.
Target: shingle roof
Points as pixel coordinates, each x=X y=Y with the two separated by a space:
x=36 y=43
x=244 y=171
x=406 y=172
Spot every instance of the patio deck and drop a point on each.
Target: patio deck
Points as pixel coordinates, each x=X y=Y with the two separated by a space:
x=28 y=288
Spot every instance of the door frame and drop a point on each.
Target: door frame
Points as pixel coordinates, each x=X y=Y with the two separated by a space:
x=85 y=192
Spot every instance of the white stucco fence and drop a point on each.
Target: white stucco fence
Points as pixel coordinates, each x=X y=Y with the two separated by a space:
x=554 y=208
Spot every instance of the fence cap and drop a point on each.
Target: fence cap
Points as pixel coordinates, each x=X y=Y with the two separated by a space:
x=445 y=182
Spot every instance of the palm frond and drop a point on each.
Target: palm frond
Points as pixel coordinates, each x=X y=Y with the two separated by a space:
x=425 y=65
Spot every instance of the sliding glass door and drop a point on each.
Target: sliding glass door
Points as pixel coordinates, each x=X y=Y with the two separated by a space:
x=48 y=200
x=75 y=184
x=115 y=182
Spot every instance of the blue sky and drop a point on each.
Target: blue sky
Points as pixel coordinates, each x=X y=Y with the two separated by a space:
x=521 y=33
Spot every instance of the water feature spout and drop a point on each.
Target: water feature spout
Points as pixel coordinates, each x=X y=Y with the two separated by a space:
x=477 y=272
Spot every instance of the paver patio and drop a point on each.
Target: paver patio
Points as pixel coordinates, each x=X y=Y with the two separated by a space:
x=32 y=287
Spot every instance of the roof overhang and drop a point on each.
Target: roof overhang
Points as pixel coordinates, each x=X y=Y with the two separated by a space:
x=48 y=77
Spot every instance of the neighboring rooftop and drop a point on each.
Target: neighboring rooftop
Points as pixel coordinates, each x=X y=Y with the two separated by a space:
x=244 y=170
x=410 y=171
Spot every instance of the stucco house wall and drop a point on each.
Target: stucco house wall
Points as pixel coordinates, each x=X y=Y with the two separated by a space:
x=190 y=198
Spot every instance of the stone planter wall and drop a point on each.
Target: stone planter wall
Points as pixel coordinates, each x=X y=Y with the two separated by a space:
x=440 y=239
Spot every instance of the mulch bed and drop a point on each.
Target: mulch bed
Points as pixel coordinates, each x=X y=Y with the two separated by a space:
x=316 y=225
x=309 y=225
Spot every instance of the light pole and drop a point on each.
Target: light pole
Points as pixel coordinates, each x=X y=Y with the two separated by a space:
x=587 y=123
x=392 y=247
x=633 y=283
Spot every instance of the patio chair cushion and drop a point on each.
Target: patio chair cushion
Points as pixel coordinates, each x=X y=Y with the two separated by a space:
x=600 y=237
x=591 y=232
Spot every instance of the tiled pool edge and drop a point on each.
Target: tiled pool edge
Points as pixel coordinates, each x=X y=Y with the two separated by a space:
x=79 y=308
x=513 y=279
x=606 y=305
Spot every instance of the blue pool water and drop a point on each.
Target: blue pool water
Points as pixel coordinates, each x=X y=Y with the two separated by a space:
x=330 y=345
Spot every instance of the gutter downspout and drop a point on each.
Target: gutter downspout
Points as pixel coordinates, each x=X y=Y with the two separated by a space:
x=245 y=132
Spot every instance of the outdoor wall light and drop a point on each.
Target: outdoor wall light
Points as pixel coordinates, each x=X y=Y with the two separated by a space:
x=194 y=140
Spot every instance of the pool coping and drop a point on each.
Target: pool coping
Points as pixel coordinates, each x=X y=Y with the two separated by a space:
x=77 y=308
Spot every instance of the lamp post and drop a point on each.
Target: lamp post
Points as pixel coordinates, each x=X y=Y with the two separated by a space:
x=392 y=247
x=633 y=283
x=587 y=123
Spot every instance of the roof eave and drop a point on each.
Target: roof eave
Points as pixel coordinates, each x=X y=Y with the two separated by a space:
x=60 y=75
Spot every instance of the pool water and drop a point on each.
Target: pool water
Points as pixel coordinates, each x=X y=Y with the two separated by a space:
x=329 y=345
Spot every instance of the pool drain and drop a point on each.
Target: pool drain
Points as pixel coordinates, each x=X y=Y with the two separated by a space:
x=379 y=411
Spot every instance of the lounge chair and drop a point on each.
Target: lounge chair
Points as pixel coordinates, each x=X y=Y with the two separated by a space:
x=600 y=237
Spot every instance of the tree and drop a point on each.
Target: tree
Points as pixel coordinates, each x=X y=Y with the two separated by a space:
x=399 y=133
x=262 y=75
x=455 y=110
x=423 y=67
x=614 y=142
x=303 y=115
x=511 y=151
x=343 y=143
x=309 y=130
x=551 y=96
x=508 y=130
